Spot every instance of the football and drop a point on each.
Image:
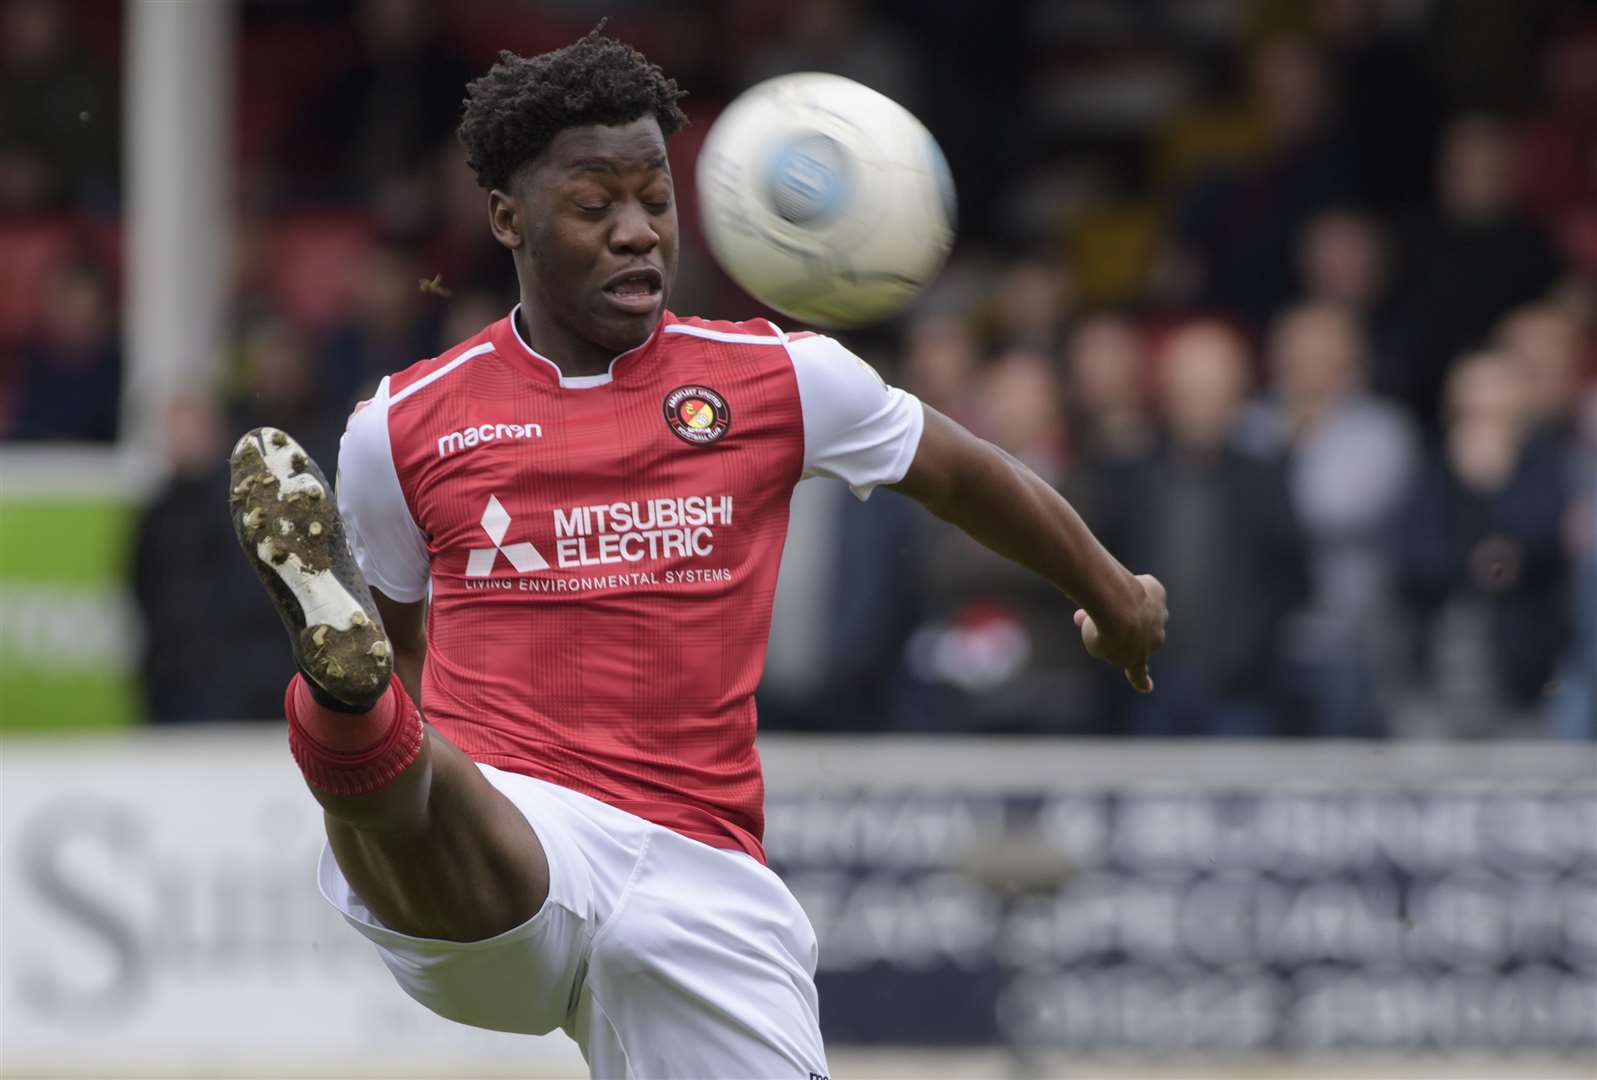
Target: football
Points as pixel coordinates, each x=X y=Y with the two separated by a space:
x=825 y=200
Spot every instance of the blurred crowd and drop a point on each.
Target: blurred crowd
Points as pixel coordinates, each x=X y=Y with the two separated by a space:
x=1295 y=302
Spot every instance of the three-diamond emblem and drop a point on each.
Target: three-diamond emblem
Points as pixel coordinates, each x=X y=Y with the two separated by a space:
x=496 y=523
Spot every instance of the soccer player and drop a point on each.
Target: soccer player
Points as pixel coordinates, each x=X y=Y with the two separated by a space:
x=561 y=538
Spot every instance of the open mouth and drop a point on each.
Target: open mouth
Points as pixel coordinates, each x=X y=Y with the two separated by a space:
x=636 y=290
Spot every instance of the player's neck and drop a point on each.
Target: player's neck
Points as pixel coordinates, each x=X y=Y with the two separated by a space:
x=574 y=356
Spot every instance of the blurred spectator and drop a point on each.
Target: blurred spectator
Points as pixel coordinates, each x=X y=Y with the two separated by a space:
x=1109 y=421
x=998 y=647
x=392 y=324
x=58 y=142
x=370 y=132
x=1106 y=369
x=1544 y=344
x=1574 y=705
x=279 y=386
x=71 y=367
x=1478 y=257
x=940 y=358
x=1481 y=556
x=1560 y=148
x=1020 y=407
x=1031 y=301
x=1343 y=260
x=847 y=599
x=1237 y=228
x=1216 y=525
x=1351 y=459
x=212 y=650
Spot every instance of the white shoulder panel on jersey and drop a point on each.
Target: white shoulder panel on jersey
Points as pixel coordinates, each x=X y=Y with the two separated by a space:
x=388 y=546
x=857 y=429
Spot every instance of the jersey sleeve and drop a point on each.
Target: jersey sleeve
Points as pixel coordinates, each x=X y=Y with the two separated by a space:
x=857 y=429
x=389 y=547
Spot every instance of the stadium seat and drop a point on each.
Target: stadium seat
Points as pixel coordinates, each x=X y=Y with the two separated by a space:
x=315 y=257
x=34 y=251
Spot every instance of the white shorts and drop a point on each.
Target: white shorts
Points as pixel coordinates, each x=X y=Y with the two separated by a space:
x=661 y=956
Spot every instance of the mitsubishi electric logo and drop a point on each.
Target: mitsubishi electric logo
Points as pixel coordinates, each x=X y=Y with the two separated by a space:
x=672 y=529
x=523 y=556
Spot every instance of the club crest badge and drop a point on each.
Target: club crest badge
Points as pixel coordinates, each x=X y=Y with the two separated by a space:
x=697 y=414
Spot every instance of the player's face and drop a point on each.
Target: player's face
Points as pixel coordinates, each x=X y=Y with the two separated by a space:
x=602 y=232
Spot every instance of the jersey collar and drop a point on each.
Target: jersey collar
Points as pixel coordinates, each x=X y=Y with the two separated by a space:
x=509 y=343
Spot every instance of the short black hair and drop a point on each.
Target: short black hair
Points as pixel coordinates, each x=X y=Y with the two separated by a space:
x=513 y=112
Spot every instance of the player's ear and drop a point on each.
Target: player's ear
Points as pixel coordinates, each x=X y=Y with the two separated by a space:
x=504 y=218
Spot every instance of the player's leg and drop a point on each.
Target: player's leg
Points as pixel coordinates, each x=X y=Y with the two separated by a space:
x=425 y=841
x=439 y=852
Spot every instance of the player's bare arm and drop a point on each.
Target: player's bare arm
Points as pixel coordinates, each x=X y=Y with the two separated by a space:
x=973 y=484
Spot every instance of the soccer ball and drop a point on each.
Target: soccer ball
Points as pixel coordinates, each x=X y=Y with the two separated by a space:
x=825 y=200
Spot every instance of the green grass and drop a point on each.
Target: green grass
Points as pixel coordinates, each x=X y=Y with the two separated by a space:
x=66 y=624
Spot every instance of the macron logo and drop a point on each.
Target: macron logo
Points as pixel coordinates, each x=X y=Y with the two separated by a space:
x=496 y=522
x=466 y=438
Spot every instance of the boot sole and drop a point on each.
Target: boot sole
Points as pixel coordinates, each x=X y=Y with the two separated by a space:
x=287 y=522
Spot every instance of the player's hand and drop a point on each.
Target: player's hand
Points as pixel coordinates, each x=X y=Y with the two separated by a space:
x=1128 y=647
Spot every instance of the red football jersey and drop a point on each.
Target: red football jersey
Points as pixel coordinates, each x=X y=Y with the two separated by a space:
x=601 y=552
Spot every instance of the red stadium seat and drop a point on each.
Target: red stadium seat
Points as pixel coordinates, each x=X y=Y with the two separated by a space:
x=314 y=259
x=34 y=250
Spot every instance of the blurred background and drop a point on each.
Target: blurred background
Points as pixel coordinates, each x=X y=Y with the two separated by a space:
x=1294 y=300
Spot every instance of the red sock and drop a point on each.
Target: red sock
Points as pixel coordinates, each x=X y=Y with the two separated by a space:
x=352 y=753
